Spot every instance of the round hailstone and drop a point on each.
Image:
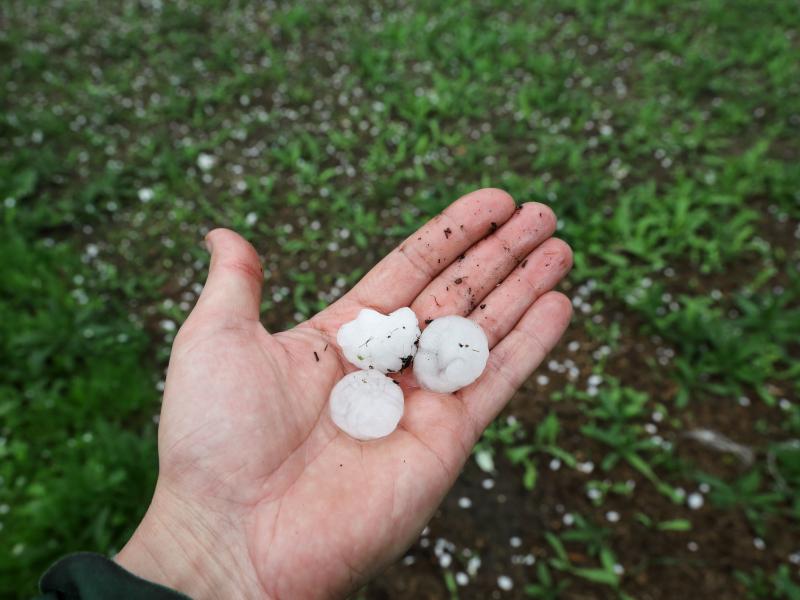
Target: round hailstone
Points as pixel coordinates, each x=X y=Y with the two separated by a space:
x=452 y=354
x=386 y=343
x=366 y=405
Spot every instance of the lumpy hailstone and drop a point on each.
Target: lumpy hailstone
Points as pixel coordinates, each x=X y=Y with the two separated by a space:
x=452 y=354
x=366 y=405
x=385 y=343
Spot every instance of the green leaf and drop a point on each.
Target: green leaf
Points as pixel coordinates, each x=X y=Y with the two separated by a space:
x=675 y=525
x=597 y=576
x=556 y=545
x=530 y=476
x=518 y=454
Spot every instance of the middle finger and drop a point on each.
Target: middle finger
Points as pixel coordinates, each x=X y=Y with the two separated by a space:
x=462 y=285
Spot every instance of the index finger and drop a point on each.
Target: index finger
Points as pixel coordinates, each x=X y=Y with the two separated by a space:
x=399 y=278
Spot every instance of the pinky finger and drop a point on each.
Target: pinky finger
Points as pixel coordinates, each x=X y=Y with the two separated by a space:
x=515 y=357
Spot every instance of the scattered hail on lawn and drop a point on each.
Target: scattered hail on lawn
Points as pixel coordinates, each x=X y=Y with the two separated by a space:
x=450 y=354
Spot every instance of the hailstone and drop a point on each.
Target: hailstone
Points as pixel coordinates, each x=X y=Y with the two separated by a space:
x=452 y=353
x=386 y=343
x=366 y=405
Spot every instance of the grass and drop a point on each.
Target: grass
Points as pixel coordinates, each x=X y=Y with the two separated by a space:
x=78 y=459
x=664 y=135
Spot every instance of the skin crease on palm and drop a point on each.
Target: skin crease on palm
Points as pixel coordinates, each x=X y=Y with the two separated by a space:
x=259 y=495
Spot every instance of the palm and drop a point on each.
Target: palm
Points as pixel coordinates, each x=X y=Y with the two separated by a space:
x=306 y=467
x=245 y=431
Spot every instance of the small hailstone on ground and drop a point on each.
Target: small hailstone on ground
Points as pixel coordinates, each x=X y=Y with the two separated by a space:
x=385 y=343
x=473 y=565
x=462 y=578
x=504 y=582
x=695 y=501
x=594 y=380
x=366 y=405
x=485 y=461
x=452 y=354
x=487 y=484
x=443 y=546
x=206 y=161
x=464 y=502
x=145 y=195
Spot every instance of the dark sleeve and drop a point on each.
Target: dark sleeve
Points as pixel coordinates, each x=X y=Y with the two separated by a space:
x=87 y=576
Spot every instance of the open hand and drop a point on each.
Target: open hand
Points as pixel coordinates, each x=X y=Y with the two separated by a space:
x=259 y=495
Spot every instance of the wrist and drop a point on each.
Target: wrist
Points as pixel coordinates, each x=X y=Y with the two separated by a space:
x=176 y=546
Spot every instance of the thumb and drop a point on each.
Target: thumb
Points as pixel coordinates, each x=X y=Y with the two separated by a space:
x=235 y=277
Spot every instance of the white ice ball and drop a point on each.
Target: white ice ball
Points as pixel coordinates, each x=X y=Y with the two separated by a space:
x=386 y=343
x=366 y=405
x=452 y=353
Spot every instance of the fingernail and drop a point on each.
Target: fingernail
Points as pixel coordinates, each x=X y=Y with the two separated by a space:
x=209 y=245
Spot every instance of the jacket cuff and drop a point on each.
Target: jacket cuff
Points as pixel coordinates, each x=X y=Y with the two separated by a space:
x=89 y=576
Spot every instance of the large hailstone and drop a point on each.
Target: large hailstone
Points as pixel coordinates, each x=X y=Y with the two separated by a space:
x=452 y=354
x=366 y=405
x=386 y=343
